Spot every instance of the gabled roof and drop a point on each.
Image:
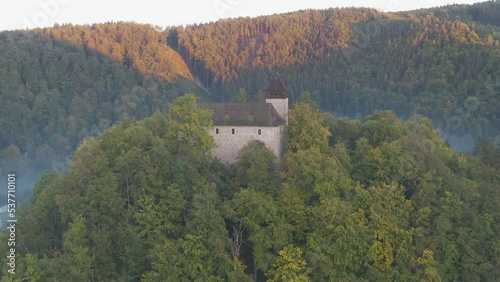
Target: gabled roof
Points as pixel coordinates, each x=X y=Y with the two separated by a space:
x=244 y=114
x=276 y=89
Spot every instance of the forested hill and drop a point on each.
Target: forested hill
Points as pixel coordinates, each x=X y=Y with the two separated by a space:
x=141 y=47
x=59 y=85
x=379 y=199
x=442 y=63
x=62 y=84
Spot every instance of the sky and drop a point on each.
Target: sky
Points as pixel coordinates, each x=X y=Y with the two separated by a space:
x=22 y=14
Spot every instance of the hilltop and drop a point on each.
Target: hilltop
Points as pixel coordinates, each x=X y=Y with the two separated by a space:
x=379 y=199
x=62 y=84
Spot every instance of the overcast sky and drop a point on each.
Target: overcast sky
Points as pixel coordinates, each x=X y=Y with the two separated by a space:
x=21 y=14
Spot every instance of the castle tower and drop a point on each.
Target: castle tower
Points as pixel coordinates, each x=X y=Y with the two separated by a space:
x=277 y=95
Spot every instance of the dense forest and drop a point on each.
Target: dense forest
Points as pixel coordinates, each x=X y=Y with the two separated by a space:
x=441 y=63
x=62 y=84
x=59 y=85
x=368 y=190
x=377 y=199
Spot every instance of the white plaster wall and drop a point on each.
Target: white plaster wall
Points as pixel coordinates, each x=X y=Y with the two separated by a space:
x=281 y=106
x=282 y=140
x=229 y=145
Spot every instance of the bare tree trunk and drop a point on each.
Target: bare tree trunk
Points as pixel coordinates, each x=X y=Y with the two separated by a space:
x=237 y=239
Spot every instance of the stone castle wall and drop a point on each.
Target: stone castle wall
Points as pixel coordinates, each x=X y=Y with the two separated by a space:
x=229 y=144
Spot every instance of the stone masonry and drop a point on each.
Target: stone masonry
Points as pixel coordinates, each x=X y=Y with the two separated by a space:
x=236 y=124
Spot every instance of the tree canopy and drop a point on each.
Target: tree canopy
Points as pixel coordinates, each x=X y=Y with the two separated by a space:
x=382 y=199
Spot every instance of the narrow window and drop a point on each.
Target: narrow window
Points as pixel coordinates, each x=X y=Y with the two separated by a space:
x=216 y=131
x=232 y=130
x=260 y=132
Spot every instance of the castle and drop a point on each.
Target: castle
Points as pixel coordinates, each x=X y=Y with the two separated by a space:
x=236 y=124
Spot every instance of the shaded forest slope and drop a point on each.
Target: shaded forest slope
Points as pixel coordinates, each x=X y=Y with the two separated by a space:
x=443 y=63
x=62 y=84
x=59 y=85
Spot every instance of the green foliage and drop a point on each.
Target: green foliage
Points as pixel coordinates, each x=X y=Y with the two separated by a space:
x=40 y=222
x=63 y=84
x=307 y=127
x=488 y=152
x=188 y=259
x=206 y=220
x=373 y=199
x=290 y=266
x=126 y=191
x=392 y=247
x=159 y=212
x=78 y=260
x=384 y=200
x=427 y=267
x=257 y=167
x=268 y=231
x=187 y=129
x=60 y=85
x=382 y=127
x=357 y=60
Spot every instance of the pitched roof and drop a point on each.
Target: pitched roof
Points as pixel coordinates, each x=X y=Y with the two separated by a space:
x=276 y=89
x=244 y=114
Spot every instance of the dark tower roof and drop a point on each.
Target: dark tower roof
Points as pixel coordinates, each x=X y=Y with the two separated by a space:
x=244 y=114
x=276 y=90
